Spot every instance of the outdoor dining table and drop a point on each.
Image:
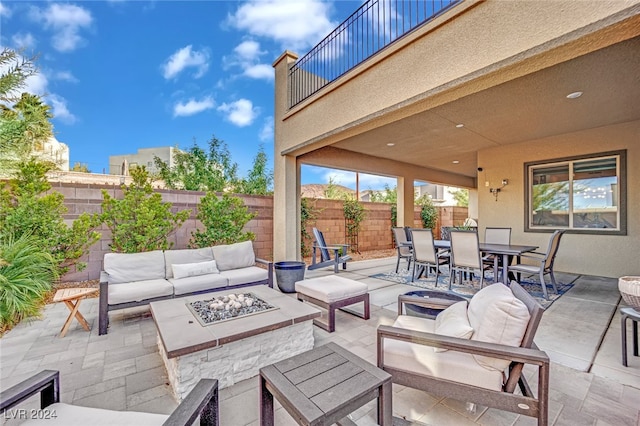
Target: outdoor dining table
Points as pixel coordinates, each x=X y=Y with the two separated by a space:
x=504 y=250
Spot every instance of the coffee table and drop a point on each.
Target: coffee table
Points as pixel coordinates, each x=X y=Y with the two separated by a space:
x=323 y=386
x=232 y=350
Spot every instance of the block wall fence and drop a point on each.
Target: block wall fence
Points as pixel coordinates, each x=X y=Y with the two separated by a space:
x=375 y=233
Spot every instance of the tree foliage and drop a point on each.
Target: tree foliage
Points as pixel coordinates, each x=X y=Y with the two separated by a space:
x=259 y=181
x=224 y=219
x=80 y=167
x=26 y=274
x=354 y=214
x=140 y=221
x=388 y=195
x=24 y=118
x=428 y=212
x=333 y=191
x=198 y=170
x=308 y=215
x=461 y=196
x=28 y=206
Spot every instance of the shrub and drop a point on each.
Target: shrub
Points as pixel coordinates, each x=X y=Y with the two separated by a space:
x=26 y=274
x=428 y=212
x=224 y=219
x=28 y=206
x=140 y=221
x=354 y=215
x=308 y=216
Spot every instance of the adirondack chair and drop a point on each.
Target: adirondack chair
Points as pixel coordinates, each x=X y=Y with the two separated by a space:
x=320 y=247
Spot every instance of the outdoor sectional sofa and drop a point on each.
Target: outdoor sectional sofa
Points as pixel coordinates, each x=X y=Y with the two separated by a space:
x=135 y=279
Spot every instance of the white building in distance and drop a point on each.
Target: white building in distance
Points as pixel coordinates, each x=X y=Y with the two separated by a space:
x=122 y=164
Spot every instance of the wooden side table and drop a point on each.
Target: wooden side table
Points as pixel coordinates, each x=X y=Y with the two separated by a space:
x=323 y=386
x=72 y=298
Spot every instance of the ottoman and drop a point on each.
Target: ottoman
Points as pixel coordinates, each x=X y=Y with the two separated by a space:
x=333 y=292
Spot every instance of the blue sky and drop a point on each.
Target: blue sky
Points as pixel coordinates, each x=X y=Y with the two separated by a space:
x=122 y=75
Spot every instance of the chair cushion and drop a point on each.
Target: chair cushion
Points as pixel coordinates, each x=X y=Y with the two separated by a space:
x=450 y=365
x=185 y=256
x=198 y=283
x=128 y=267
x=453 y=322
x=139 y=290
x=184 y=270
x=72 y=415
x=331 y=288
x=245 y=275
x=234 y=256
x=497 y=316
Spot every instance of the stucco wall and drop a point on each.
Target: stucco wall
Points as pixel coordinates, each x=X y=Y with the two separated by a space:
x=603 y=255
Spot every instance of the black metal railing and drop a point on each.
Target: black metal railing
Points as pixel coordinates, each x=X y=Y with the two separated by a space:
x=375 y=25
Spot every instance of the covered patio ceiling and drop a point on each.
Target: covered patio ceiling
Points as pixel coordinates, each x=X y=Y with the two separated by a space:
x=528 y=108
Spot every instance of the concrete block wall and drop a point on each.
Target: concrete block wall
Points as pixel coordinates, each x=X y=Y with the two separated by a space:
x=375 y=235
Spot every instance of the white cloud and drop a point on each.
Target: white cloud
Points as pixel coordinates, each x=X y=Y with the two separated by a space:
x=65 y=76
x=246 y=56
x=4 y=11
x=192 y=107
x=66 y=21
x=185 y=58
x=266 y=133
x=60 y=110
x=24 y=41
x=296 y=24
x=241 y=112
x=36 y=84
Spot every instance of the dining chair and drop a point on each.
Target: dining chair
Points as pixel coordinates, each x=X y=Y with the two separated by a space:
x=542 y=263
x=465 y=255
x=496 y=236
x=425 y=253
x=403 y=246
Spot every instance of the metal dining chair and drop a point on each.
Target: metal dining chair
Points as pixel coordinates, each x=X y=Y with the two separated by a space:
x=403 y=246
x=425 y=253
x=496 y=236
x=465 y=255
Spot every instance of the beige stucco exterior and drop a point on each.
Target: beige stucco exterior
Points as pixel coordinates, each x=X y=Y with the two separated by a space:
x=500 y=67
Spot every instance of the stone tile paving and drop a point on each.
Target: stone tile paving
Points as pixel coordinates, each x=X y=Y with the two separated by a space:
x=123 y=370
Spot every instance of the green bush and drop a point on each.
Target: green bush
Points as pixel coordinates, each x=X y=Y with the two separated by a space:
x=27 y=206
x=224 y=219
x=428 y=212
x=26 y=275
x=140 y=221
x=308 y=216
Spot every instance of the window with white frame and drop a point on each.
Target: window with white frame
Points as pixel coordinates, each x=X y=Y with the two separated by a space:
x=582 y=194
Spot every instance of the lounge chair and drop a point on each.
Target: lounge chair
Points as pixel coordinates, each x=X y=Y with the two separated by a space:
x=340 y=256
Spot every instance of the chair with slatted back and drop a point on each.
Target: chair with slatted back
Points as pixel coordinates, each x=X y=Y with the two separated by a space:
x=340 y=256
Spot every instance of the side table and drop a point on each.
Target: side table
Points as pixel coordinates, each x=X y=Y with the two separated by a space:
x=72 y=298
x=322 y=386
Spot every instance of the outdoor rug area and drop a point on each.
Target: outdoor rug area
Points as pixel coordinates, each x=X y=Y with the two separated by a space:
x=469 y=288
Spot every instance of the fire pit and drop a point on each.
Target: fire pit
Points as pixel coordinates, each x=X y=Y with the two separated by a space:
x=228 y=307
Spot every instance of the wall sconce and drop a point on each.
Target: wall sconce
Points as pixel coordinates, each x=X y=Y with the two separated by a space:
x=496 y=191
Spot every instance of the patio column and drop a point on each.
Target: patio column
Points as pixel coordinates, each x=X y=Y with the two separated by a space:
x=286 y=173
x=405 y=200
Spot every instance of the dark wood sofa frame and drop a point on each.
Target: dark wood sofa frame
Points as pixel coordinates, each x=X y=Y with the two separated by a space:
x=104 y=307
x=527 y=404
x=201 y=401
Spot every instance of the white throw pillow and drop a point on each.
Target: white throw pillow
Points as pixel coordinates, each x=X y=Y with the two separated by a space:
x=194 y=269
x=453 y=322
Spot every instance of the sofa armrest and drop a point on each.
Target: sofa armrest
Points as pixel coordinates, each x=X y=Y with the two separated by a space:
x=475 y=347
x=103 y=304
x=201 y=401
x=430 y=302
x=269 y=265
x=46 y=383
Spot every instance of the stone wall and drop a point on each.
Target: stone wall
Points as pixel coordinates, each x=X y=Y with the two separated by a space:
x=375 y=234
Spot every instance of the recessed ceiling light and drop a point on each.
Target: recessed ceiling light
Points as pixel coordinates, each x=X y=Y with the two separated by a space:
x=574 y=95
x=455 y=162
x=459 y=126
x=390 y=144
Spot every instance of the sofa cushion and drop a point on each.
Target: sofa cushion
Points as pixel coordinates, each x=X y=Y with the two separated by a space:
x=421 y=359
x=497 y=316
x=139 y=290
x=70 y=415
x=245 y=275
x=185 y=256
x=453 y=322
x=234 y=256
x=128 y=267
x=184 y=270
x=198 y=283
